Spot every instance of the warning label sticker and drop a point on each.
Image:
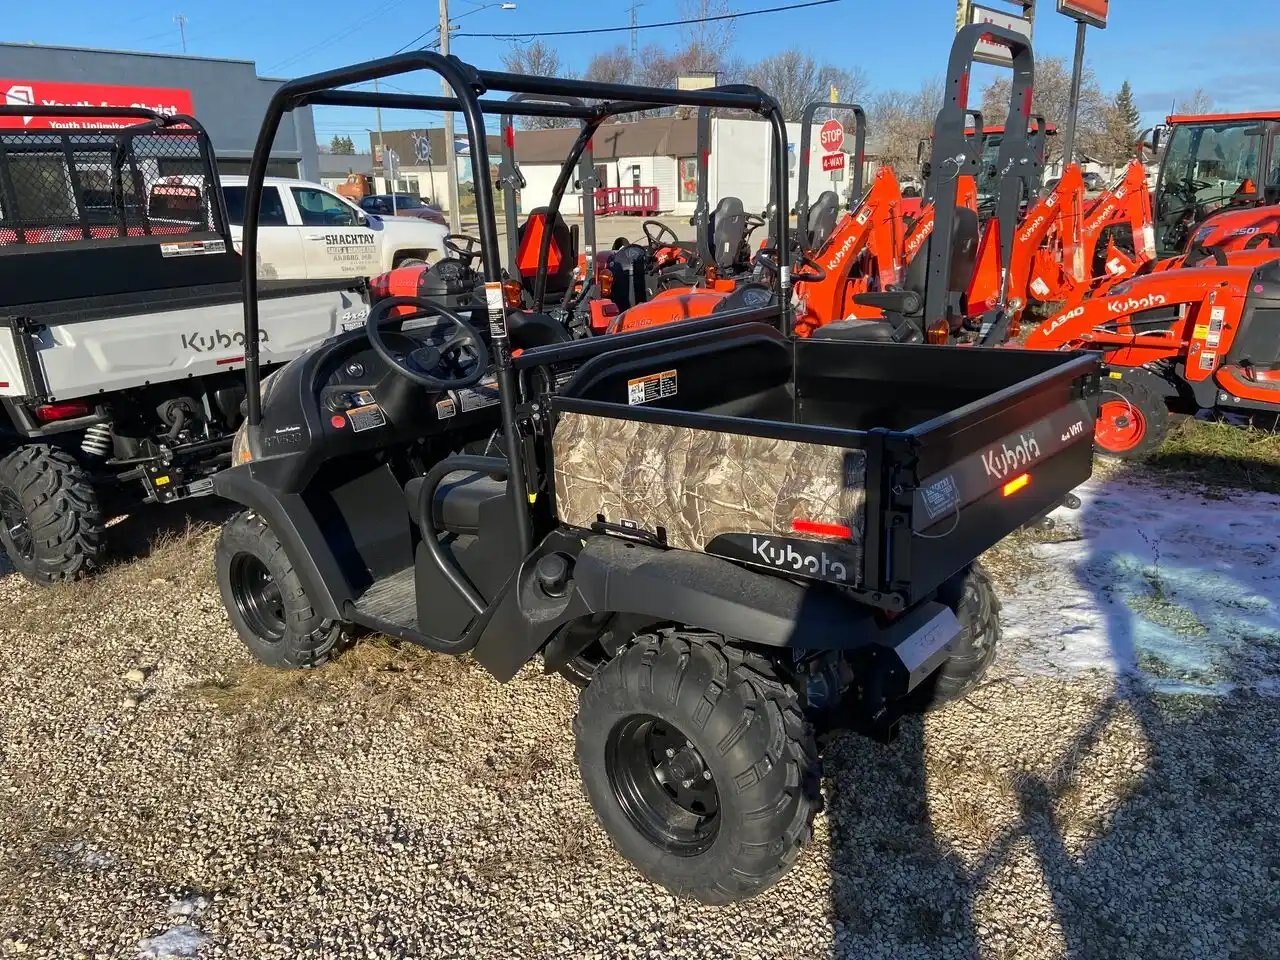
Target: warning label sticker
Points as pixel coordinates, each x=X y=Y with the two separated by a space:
x=446 y=408
x=941 y=496
x=192 y=248
x=366 y=418
x=1207 y=360
x=655 y=386
x=483 y=394
x=497 y=310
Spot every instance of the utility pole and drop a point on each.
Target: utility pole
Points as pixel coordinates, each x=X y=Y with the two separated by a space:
x=382 y=147
x=635 y=34
x=181 y=21
x=450 y=144
x=1073 y=106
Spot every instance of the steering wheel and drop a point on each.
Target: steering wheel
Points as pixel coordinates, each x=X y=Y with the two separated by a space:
x=766 y=257
x=752 y=221
x=467 y=247
x=426 y=359
x=657 y=233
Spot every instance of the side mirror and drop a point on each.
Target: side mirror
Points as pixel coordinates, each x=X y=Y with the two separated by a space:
x=922 y=151
x=362 y=219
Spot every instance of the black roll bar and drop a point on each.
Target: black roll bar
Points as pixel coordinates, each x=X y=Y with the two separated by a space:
x=468 y=84
x=954 y=155
x=155 y=121
x=806 y=136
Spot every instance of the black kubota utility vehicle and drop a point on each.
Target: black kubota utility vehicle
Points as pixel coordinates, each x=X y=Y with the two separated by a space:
x=749 y=537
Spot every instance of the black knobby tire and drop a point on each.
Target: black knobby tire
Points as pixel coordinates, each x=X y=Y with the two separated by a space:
x=731 y=712
x=52 y=527
x=265 y=600
x=1133 y=420
x=972 y=597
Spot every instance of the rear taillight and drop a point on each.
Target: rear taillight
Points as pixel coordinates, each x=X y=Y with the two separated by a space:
x=512 y=294
x=606 y=283
x=65 y=410
x=817 y=528
x=939 y=333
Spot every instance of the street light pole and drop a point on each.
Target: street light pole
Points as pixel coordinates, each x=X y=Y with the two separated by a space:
x=1073 y=108
x=450 y=143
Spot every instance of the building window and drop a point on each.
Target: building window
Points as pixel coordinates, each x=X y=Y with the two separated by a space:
x=688 y=179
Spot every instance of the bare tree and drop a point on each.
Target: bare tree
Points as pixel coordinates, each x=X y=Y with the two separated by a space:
x=704 y=41
x=535 y=59
x=1198 y=101
x=900 y=120
x=796 y=79
x=1052 y=98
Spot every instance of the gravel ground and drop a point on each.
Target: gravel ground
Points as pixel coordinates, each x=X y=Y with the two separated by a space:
x=161 y=796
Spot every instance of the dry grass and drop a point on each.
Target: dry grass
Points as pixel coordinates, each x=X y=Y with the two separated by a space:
x=1219 y=455
x=1013 y=562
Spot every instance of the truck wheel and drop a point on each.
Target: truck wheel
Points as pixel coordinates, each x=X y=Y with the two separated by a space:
x=699 y=764
x=50 y=520
x=265 y=599
x=1132 y=421
x=977 y=607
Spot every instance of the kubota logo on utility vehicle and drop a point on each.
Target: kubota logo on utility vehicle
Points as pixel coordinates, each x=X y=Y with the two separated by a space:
x=1134 y=304
x=1032 y=227
x=217 y=340
x=787 y=557
x=1002 y=462
x=915 y=241
x=841 y=253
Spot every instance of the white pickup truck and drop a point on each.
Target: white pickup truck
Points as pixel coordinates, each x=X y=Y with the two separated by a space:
x=308 y=232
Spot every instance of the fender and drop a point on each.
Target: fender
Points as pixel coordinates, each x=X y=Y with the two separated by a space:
x=649 y=584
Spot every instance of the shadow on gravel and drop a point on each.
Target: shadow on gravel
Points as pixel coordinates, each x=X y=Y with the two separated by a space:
x=883 y=849
x=1188 y=862
x=132 y=535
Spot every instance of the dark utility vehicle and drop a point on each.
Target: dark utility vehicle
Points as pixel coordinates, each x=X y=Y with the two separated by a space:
x=120 y=332
x=740 y=536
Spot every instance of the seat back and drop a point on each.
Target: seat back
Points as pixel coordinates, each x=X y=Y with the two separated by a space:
x=964 y=255
x=822 y=219
x=728 y=229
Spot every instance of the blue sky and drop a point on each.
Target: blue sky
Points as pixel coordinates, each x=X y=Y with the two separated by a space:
x=1165 y=48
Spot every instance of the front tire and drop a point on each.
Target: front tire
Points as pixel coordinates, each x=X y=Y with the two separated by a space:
x=50 y=519
x=265 y=600
x=1132 y=420
x=699 y=764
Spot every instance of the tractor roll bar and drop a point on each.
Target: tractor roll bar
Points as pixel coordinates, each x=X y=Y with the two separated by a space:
x=954 y=155
x=859 y=149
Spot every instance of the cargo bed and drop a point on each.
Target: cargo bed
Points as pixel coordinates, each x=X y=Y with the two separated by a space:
x=883 y=467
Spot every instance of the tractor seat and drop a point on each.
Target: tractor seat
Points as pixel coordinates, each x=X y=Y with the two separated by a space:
x=964 y=255
x=459 y=500
x=728 y=230
x=877 y=330
x=822 y=219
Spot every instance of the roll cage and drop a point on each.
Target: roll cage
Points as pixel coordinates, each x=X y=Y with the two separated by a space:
x=859 y=153
x=538 y=96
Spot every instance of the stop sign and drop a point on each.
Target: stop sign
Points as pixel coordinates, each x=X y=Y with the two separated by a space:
x=832 y=136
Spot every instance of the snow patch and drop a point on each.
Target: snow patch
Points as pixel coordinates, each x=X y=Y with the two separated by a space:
x=180 y=942
x=1171 y=587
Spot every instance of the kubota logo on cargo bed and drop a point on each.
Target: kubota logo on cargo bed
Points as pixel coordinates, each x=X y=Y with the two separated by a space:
x=213 y=340
x=1002 y=462
x=813 y=561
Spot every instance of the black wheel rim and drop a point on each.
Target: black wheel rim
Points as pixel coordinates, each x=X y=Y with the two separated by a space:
x=663 y=785
x=257 y=597
x=17 y=525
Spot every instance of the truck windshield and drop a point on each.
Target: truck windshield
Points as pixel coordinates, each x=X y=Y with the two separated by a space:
x=1206 y=165
x=988 y=173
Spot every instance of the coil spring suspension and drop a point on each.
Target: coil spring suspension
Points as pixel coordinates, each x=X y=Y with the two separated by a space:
x=97 y=440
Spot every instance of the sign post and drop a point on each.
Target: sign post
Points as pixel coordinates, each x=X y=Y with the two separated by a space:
x=831 y=139
x=1085 y=13
x=1020 y=20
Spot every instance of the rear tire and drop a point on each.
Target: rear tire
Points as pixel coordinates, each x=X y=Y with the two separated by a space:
x=265 y=600
x=50 y=519
x=977 y=607
x=1132 y=420
x=724 y=811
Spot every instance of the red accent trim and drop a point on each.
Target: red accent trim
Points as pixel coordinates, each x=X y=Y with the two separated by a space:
x=225 y=360
x=819 y=529
x=1026 y=102
x=509 y=134
x=964 y=89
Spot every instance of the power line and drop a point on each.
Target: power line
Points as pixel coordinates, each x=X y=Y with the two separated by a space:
x=648 y=26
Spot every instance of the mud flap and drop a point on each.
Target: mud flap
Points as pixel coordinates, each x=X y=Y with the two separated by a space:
x=922 y=641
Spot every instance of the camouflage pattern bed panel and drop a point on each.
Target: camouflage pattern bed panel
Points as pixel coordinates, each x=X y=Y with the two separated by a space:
x=698 y=489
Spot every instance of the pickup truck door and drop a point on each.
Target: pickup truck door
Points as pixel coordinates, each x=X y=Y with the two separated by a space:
x=336 y=238
x=279 y=244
